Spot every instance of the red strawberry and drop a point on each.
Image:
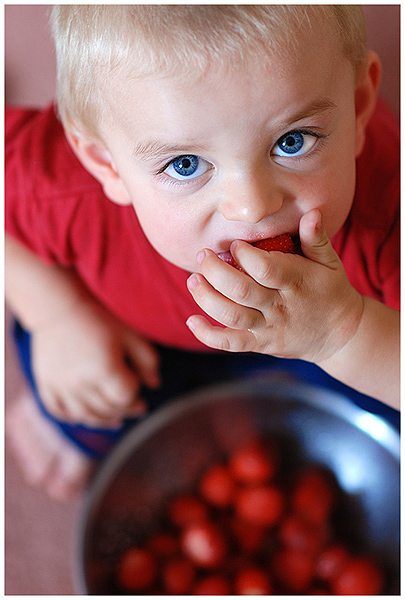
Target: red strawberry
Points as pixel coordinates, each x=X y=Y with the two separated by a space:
x=136 y=569
x=280 y=243
x=204 y=544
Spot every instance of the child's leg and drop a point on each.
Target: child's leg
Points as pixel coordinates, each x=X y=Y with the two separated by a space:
x=54 y=455
x=59 y=456
x=45 y=457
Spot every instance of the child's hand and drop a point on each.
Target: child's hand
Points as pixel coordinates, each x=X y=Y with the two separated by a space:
x=285 y=305
x=89 y=367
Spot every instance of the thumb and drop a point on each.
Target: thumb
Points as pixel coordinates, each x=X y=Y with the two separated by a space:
x=315 y=243
x=143 y=358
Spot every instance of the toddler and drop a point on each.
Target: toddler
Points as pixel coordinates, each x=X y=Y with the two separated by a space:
x=185 y=132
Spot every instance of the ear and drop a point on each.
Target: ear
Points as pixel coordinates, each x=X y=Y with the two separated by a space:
x=96 y=159
x=366 y=90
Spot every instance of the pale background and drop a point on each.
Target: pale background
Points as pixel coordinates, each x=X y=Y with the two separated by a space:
x=41 y=534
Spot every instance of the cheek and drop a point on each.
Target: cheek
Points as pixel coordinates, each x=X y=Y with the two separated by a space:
x=339 y=178
x=171 y=224
x=172 y=233
x=332 y=192
x=339 y=193
x=159 y=227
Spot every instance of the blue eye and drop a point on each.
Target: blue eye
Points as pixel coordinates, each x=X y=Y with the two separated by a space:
x=187 y=166
x=291 y=143
x=295 y=143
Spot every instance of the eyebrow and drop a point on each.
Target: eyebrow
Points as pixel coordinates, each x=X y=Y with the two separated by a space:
x=154 y=150
x=314 y=108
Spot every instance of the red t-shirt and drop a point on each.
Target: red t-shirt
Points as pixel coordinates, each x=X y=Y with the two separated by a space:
x=59 y=211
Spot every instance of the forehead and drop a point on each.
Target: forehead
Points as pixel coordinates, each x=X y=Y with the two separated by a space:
x=198 y=39
x=305 y=66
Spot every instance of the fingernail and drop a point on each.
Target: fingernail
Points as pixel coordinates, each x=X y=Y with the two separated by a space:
x=200 y=256
x=192 y=282
x=190 y=324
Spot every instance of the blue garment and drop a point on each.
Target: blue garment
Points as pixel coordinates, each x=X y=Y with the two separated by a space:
x=182 y=372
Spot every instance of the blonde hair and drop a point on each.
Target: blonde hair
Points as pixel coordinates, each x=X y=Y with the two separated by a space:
x=95 y=44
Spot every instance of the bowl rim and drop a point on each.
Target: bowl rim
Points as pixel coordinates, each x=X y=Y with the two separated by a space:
x=332 y=401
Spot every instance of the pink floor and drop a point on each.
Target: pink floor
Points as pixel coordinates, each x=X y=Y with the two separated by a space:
x=39 y=532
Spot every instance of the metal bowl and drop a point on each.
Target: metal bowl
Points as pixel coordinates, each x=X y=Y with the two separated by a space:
x=167 y=452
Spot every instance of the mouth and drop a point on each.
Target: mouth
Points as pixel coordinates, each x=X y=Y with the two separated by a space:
x=226 y=256
x=285 y=242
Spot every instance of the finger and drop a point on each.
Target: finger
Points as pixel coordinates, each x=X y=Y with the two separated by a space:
x=315 y=242
x=75 y=410
x=107 y=412
x=235 y=285
x=53 y=403
x=144 y=359
x=275 y=271
x=120 y=387
x=220 y=308
x=137 y=410
x=128 y=405
x=90 y=408
x=221 y=338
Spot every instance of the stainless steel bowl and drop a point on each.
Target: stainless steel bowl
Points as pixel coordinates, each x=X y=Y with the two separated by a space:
x=167 y=452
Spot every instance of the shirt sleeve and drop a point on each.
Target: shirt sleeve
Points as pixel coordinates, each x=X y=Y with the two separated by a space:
x=44 y=185
x=23 y=216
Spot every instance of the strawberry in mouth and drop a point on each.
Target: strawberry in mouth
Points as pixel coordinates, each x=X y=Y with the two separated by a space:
x=280 y=243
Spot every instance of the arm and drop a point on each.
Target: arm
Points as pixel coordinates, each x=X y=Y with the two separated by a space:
x=299 y=307
x=38 y=294
x=80 y=351
x=370 y=361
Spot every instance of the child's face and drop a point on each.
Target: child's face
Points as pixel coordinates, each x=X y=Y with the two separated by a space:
x=238 y=154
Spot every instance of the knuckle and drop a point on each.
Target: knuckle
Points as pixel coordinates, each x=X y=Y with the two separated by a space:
x=223 y=338
x=56 y=411
x=119 y=390
x=102 y=410
x=233 y=318
x=52 y=404
x=265 y=270
x=322 y=241
x=216 y=338
x=234 y=343
x=242 y=291
x=223 y=343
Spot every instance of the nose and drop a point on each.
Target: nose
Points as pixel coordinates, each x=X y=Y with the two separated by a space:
x=250 y=199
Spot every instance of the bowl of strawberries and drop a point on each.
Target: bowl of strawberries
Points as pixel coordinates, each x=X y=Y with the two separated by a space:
x=256 y=487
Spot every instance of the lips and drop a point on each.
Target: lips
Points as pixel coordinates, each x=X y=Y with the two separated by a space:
x=225 y=256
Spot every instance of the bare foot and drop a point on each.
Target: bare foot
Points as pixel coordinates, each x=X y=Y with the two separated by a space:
x=44 y=455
